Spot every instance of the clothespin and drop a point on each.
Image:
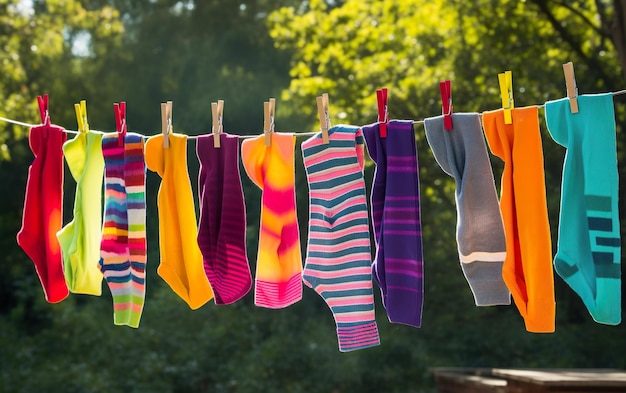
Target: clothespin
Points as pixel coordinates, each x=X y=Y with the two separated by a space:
x=446 y=104
x=217 y=109
x=166 y=122
x=506 y=90
x=268 y=120
x=383 y=114
x=120 y=121
x=572 y=89
x=81 y=116
x=322 y=111
x=44 y=112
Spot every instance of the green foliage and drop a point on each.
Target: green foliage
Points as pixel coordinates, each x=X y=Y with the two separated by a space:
x=38 y=51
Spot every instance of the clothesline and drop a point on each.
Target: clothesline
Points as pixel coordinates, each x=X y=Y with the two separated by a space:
x=338 y=265
x=19 y=123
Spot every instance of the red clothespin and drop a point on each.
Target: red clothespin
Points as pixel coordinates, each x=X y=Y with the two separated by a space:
x=383 y=113
x=120 y=121
x=43 y=109
x=446 y=104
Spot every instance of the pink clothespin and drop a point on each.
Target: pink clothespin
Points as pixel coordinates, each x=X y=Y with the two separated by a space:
x=120 y=121
x=383 y=113
x=43 y=109
x=446 y=104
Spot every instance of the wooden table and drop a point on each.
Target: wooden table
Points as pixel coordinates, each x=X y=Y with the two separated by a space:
x=499 y=380
x=562 y=380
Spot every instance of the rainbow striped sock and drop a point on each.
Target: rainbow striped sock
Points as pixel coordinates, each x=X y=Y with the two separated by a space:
x=338 y=262
x=123 y=246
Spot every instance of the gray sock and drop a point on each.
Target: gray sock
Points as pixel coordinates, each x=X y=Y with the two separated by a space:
x=462 y=154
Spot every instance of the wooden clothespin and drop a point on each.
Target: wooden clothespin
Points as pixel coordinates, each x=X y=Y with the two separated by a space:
x=166 y=122
x=44 y=112
x=383 y=113
x=322 y=111
x=572 y=89
x=446 y=104
x=81 y=116
x=120 y=121
x=506 y=90
x=268 y=120
x=217 y=109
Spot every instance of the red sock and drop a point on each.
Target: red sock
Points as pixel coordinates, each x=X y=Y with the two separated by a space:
x=43 y=214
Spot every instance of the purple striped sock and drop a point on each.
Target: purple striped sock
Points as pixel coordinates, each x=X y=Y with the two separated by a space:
x=398 y=266
x=222 y=228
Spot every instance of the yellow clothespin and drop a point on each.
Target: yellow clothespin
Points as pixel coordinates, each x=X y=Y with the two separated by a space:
x=166 y=122
x=322 y=111
x=572 y=89
x=217 y=109
x=506 y=90
x=81 y=116
x=268 y=122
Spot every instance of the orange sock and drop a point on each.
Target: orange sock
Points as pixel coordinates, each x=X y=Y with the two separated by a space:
x=527 y=269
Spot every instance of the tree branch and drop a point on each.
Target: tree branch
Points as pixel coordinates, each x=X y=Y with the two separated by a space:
x=594 y=64
x=616 y=28
x=586 y=20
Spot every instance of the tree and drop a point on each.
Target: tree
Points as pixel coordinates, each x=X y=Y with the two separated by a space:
x=42 y=44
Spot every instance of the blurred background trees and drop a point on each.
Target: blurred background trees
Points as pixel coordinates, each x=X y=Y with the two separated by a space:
x=194 y=52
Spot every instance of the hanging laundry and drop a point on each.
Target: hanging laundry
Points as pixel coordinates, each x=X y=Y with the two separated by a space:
x=43 y=209
x=279 y=263
x=588 y=254
x=181 y=260
x=527 y=269
x=80 y=239
x=398 y=267
x=222 y=233
x=123 y=246
x=462 y=154
x=338 y=261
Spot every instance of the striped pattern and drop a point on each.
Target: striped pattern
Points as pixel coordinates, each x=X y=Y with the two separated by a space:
x=604 y=236
x=588 y=255
x=398 y=267
x=123 y=245
x=222 y=230
x=338 y=262
x=279 y=262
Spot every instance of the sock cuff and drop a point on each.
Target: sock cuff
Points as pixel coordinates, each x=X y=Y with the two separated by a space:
x=357 y=335
x=278 y=294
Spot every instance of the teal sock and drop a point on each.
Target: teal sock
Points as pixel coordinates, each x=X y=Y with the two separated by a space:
x=588 y=256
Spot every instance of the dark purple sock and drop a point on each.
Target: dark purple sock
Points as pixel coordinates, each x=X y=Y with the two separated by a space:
x=222 y=228
x=398 y=265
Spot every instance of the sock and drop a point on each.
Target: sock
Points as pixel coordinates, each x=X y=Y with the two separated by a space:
x=222 y=232
x=527 y=269
x=279 y=264
x=462 y=154
x=181 y=260
x=80 y=239
x=123 y=245
x=588 y=255
x=398 y=266
x=43 y=210
x=338 y=261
